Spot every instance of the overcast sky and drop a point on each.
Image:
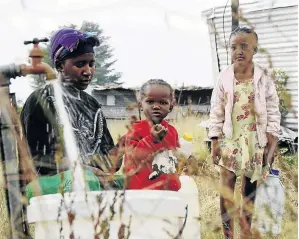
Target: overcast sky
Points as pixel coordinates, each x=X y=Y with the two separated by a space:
x=151 y=38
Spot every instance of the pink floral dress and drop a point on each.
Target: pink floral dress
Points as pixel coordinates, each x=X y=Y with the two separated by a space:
x=242 y=154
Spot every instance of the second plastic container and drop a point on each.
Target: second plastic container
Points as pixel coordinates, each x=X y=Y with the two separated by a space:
x=269 y=205
x=186 y=145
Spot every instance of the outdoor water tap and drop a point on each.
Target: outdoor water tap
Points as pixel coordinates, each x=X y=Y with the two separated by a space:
x=37 y=66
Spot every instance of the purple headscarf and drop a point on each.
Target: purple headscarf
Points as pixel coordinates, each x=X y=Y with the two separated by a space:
x=64 y=43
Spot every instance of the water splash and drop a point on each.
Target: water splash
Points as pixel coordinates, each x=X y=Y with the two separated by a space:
x=69 y=138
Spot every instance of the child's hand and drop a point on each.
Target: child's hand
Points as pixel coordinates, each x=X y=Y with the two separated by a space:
x=216 y=152
x=189 y=167
x=158 y=131
x=269 y=150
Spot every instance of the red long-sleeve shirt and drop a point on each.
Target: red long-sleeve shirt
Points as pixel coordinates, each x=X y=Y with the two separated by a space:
x=140 y=149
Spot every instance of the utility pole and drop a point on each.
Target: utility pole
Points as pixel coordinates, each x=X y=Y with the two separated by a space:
x=235 y=14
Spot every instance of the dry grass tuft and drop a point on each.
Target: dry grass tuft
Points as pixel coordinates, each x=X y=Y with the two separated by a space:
x=207 y=179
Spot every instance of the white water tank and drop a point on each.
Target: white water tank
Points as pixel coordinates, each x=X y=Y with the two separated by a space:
x=145 y=214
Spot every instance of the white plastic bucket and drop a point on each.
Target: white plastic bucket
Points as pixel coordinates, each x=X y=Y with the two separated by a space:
x=150 y=214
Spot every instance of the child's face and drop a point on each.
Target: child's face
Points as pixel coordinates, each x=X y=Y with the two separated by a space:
x=242 y=48
x=156 y=103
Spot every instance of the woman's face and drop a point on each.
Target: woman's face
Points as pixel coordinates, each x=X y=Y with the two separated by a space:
x=80 y=70
x=243 y=47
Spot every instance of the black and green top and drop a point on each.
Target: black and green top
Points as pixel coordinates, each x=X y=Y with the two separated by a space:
x=41 y=126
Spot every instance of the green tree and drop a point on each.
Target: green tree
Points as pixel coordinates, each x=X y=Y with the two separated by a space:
x=105 y=73
x=285 y=98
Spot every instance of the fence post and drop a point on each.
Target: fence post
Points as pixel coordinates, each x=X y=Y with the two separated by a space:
x=235 y=14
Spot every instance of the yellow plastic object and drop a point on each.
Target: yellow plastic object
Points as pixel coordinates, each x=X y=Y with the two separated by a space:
x=188 y=137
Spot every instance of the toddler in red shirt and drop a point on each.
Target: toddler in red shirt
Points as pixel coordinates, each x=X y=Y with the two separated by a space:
x=149 y=159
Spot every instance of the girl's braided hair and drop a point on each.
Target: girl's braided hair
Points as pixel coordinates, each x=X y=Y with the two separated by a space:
x=246 y=30
x=155 y=82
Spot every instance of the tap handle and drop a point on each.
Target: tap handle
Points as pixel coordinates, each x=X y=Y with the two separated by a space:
x=43 y=40
x=27 y=42
x=36 y=41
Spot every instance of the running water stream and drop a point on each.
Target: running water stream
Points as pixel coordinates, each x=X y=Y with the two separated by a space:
x=69 y=139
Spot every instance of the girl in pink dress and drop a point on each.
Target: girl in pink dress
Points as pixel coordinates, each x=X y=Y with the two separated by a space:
x=244 y=125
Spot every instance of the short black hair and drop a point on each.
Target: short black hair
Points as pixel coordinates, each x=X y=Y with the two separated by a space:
x=156 y=82
x=246 y=30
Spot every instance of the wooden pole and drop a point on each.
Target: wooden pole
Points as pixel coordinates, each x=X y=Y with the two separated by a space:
x=178 y=104
x=10 y=161
x=198 y=104
x=180 y=94
x=235 y=14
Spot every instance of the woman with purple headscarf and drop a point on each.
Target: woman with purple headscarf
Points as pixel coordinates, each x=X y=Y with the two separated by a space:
x=73 y=56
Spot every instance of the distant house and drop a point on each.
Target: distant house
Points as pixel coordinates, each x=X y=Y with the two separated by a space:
x=193 y=95
x=120 y=103
x=117 y=102
x=114 y=95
